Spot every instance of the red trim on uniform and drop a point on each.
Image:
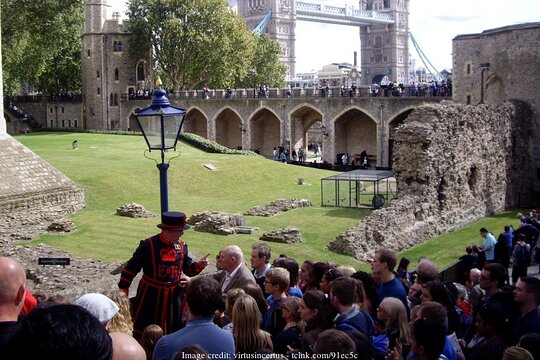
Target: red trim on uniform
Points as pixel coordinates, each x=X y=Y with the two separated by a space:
x=142 y=289
x=164 y=320
x=153 y=257
x=124 y=270
x=126 y=280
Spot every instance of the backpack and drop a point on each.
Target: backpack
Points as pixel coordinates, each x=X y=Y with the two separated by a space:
x=523 y=256
x=459 y=320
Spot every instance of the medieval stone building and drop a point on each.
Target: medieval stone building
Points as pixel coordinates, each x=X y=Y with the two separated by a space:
x=109 y=73
x=498 y=65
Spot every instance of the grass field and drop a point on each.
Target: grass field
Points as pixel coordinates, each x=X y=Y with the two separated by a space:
x=113 y=171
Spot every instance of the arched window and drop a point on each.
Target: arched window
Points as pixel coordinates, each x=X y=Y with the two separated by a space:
x=120 y=46
x=115 y=46
x=140 y=72
x=115 y=99
x=116 y=74
x=111 y=100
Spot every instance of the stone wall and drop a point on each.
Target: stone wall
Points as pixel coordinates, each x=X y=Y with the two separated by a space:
x=31 y=190
x=64 y=115
x=512 y=53
x=453 y=165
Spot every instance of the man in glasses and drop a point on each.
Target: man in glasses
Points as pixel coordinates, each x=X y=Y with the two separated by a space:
x=260 y=263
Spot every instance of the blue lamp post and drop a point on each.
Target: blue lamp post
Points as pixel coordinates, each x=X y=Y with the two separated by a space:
x=160 y=124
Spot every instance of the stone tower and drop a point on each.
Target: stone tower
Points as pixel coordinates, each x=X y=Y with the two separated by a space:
x=109 y=74
x=280 y=28
x=384 y=49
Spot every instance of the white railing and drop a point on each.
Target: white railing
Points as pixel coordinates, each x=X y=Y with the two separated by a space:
x=346 y=13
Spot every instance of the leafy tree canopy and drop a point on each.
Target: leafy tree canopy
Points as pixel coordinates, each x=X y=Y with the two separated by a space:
x=193 y=42
x=202 y=42
x=266 y=69
x=41 y=45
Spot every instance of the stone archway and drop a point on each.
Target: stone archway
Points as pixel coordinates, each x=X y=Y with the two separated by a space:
x=133 y=125
x=392 y=126
x=354 y=132
x=228 y=129
x=266 y=125
x=196 y=123
x=303 y=131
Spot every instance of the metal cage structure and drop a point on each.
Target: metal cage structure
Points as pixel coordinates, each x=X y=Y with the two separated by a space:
x=358 y=189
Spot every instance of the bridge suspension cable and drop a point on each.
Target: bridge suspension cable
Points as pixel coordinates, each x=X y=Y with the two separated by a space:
x=428 y=65
x=259 y=29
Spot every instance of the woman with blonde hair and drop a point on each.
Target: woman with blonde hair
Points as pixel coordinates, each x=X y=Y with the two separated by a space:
x=346 y=270
x=517 y=353
x=121 y=322
x=248 y=336
x=393 y=314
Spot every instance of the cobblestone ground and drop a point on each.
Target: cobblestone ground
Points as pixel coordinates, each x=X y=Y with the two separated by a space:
x=80 y=277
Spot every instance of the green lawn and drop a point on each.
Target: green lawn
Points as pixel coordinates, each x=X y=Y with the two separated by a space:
x=113 y=171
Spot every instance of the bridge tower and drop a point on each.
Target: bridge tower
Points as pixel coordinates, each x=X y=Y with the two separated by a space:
x=280 y=28
x=384 y=48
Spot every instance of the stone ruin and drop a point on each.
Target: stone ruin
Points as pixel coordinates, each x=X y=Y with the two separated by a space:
x=284 y=236
x=62 y=225
x=278 y=206
x=134 y=210
x=78 y=278
x=453 y=165
x=216 y=222
x=33 y=194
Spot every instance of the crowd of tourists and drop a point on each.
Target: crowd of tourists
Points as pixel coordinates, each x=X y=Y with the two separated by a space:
x=277 y=307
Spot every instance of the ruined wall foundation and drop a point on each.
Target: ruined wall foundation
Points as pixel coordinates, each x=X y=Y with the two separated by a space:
x=32 y=192
x=453 y=164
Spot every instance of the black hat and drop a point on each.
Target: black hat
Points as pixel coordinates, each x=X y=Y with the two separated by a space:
x=173 y=220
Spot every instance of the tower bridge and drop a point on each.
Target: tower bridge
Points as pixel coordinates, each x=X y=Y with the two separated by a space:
x=383 y=27
x=340 y=15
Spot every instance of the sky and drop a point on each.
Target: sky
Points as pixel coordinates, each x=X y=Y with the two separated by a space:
x=433 y=23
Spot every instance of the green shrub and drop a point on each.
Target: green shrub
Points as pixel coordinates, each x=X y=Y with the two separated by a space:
x=211 y=146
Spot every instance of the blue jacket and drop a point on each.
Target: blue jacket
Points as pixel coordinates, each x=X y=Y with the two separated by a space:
x=355 y=320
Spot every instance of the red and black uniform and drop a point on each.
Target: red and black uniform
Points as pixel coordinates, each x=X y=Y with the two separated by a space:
x=158 y=295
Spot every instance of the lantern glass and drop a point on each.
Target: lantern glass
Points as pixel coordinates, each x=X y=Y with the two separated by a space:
x=160 y=131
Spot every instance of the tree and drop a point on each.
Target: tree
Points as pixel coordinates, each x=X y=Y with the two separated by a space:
x=265 y=69
x=41 y=45
x=193 y=42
